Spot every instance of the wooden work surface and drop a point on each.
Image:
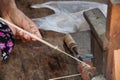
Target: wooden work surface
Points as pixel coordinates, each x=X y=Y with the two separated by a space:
x=36 y=61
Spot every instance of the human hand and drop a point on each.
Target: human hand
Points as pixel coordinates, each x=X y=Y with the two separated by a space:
x=17 y=17
x=87 y=72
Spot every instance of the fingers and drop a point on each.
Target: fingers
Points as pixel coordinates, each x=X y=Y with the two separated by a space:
x=23 y=36
x=27 y=24
x=35 y=31
x=32 y=28
x=18 y=18
x=87 y=72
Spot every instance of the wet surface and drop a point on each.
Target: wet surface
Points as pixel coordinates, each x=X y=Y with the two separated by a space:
x=36 y=61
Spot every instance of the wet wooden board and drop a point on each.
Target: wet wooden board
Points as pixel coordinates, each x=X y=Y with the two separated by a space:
x=99 y=42
x=35 y=61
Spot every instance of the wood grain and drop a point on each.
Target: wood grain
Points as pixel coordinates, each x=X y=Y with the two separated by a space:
x=35 y=61
x=116 y=65
x=114 y=36
x=99 y=42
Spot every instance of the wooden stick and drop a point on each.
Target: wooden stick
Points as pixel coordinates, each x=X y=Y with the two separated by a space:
x=65 y=77
x=43 y=41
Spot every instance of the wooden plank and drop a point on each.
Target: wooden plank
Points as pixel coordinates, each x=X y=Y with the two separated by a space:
x=99 y=42
x=116 y=65
x=114 y=36
x=97 y=22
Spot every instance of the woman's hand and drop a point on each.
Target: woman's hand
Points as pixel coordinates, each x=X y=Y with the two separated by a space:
x=10 y=12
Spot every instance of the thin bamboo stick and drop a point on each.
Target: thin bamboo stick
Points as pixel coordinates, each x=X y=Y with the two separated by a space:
x=43 y=41
x=65 y=77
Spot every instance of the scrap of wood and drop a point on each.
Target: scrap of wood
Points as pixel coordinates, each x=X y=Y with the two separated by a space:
x=116 y=65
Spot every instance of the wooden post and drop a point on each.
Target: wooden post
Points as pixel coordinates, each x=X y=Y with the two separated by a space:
x=113 y=31
x=116 y=65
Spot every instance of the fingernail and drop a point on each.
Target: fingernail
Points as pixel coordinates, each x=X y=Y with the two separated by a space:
x=26 y=37
x=34 y=39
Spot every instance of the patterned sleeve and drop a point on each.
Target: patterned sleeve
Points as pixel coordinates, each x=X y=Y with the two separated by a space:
x=6 y=41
